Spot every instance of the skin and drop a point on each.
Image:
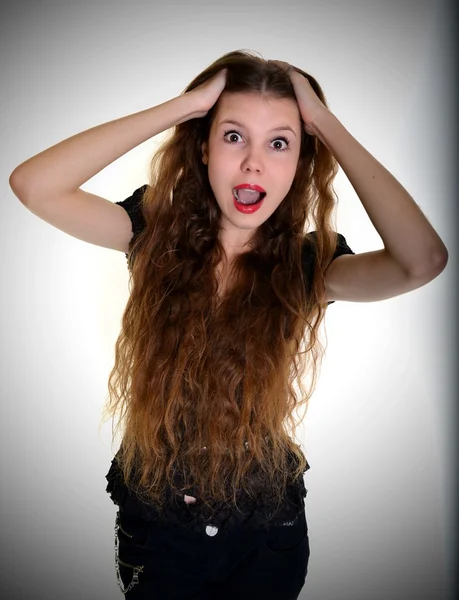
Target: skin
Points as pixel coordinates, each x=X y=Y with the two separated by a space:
x=253 y=154
x=413 y=253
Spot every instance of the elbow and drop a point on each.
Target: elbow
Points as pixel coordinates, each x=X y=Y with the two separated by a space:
x=15 y=178
x=431 y=269
x=16 y=184
x=441 y=260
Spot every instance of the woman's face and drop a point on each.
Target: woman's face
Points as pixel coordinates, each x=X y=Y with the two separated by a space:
x=254 y=140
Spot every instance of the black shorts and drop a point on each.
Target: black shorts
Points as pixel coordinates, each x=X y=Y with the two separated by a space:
x=157 y=561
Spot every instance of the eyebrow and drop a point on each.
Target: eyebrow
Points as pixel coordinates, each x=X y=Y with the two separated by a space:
x=280 y=128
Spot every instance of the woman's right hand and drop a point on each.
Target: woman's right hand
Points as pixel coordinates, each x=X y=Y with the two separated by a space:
x=206 y=95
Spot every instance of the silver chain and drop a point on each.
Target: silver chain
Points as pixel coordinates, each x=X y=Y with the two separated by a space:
x=137 y=569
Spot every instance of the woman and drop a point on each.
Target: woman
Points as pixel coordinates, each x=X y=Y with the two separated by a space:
x=228 y=291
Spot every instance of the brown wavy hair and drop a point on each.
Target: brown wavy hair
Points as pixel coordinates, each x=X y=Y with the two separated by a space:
x=204 y=391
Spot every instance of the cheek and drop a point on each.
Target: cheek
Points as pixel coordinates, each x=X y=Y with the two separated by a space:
x=213 y=175
x=286 y=174
x=220 y=168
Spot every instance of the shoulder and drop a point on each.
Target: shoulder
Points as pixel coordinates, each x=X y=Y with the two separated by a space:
x=310 y=247
x=133 y=206
x=309 y=253
x=342 y=246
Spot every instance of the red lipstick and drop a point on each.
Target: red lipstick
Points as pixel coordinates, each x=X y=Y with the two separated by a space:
x=247 y=209
x=250 y=186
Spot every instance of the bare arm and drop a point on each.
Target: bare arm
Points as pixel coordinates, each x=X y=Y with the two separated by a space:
x=413 y=253
x=48 y=183
x=63 y=168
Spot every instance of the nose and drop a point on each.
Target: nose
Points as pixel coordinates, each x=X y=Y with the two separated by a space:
x=252 y=161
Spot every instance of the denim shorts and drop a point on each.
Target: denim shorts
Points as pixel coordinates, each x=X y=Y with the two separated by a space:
x=156 y=561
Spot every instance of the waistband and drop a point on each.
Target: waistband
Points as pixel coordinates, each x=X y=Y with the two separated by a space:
x=178 y=514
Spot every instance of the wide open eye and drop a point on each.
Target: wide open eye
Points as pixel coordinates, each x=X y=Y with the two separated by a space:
x=231 y=133
x=285 y=141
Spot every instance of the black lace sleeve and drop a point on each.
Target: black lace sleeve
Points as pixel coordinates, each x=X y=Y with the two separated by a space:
x=133 y=207
x=309 y=256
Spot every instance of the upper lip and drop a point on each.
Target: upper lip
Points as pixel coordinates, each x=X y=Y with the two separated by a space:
x=250 y=186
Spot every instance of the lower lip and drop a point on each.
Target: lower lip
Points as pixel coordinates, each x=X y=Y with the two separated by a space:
x=247 y=208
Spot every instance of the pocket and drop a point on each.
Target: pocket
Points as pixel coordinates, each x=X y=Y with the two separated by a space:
x=132 y=532
x=127 y=574
x=288 y=537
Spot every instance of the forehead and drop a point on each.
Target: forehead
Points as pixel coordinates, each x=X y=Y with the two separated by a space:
x=257 y=110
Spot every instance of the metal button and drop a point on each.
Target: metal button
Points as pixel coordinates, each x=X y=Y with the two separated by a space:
x=211 y=530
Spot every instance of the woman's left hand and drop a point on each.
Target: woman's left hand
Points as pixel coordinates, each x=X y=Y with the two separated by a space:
x=308 y=101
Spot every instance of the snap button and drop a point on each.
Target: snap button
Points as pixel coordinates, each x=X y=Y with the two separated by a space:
x=211 y=530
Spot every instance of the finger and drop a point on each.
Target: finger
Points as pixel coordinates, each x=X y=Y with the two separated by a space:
x=282 y=65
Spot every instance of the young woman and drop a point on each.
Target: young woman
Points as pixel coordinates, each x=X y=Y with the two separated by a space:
x=233 y=262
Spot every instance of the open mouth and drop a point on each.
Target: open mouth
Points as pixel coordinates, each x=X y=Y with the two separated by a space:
x=248 y=197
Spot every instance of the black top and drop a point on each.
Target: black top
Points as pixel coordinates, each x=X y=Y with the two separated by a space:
x=132 y=205
x=177 y=512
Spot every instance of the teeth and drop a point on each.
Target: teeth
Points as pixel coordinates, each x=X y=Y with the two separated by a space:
x=236 y=195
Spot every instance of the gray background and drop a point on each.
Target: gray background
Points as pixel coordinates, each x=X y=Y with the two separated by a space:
x=380 y=429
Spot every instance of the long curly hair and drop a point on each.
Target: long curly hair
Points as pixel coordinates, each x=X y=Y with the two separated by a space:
x=206 y=393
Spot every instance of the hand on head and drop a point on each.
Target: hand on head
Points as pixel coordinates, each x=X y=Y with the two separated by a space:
x=309 y=104
x=207 y=94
